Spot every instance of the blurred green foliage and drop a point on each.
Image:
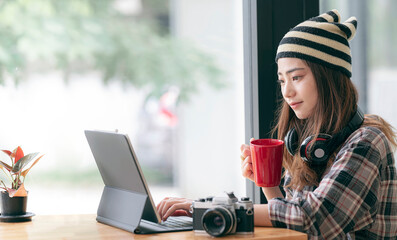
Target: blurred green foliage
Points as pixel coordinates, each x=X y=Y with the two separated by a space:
x=77 y=36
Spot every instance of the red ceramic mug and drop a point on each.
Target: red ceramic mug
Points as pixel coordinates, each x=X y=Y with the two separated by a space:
x=267 y=159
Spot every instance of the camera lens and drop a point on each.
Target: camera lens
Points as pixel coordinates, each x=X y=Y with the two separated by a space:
x=218 y=221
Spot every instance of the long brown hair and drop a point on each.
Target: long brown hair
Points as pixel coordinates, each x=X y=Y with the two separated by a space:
x=336 y=105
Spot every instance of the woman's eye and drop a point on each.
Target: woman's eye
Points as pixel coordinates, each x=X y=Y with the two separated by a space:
x=296 y=77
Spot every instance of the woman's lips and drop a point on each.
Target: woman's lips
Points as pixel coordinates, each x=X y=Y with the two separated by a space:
x=295 y=104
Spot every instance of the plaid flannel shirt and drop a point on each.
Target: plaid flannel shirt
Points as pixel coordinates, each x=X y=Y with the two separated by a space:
x=356 y=198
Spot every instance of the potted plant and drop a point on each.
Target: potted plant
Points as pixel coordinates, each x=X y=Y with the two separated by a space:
x=14 y=196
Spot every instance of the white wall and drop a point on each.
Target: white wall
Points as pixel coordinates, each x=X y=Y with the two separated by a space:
x=212 y=123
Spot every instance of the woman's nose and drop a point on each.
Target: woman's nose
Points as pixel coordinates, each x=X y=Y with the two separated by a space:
x=288 y=90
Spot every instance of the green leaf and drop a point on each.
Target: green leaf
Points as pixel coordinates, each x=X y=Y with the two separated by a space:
x=91 y=35
x=23 y=162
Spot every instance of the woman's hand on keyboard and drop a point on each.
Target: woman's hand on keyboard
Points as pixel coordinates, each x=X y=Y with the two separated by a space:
x=174 y=207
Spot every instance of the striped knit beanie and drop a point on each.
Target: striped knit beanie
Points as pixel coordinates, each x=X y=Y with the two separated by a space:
x=323 y=40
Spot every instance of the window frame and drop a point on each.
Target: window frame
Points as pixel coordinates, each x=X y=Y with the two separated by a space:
x=265 y=22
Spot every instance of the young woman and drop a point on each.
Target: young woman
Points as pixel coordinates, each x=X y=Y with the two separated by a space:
x=340 y=178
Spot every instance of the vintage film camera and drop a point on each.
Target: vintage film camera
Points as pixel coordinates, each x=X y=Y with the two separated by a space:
x=219 y=216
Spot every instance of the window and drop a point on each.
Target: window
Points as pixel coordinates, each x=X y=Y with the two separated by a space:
x=169 y=75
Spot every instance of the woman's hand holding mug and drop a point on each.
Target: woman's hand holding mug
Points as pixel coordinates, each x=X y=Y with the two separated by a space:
x=246 y=161
x=248 y=166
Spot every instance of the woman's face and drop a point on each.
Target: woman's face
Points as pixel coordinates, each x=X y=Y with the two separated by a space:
x=298 y=86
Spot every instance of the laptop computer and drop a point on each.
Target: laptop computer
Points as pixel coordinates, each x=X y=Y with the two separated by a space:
x=126 y=201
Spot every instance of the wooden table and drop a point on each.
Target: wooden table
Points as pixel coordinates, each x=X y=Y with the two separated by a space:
x=85 y=227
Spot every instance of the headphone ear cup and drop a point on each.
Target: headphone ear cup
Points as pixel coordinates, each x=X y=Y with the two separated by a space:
x=315 y=151
x=291 y=141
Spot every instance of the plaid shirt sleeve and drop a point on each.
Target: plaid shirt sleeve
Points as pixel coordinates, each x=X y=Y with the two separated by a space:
x=356 y=196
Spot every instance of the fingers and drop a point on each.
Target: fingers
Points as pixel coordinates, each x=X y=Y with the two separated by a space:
x=243 y=146
x=246 y=162
x=246 y=153
x=181 y=213
x=247 y=169
x=175 y=207
x=163 y=206
x=170 y=206
x=160 y=206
